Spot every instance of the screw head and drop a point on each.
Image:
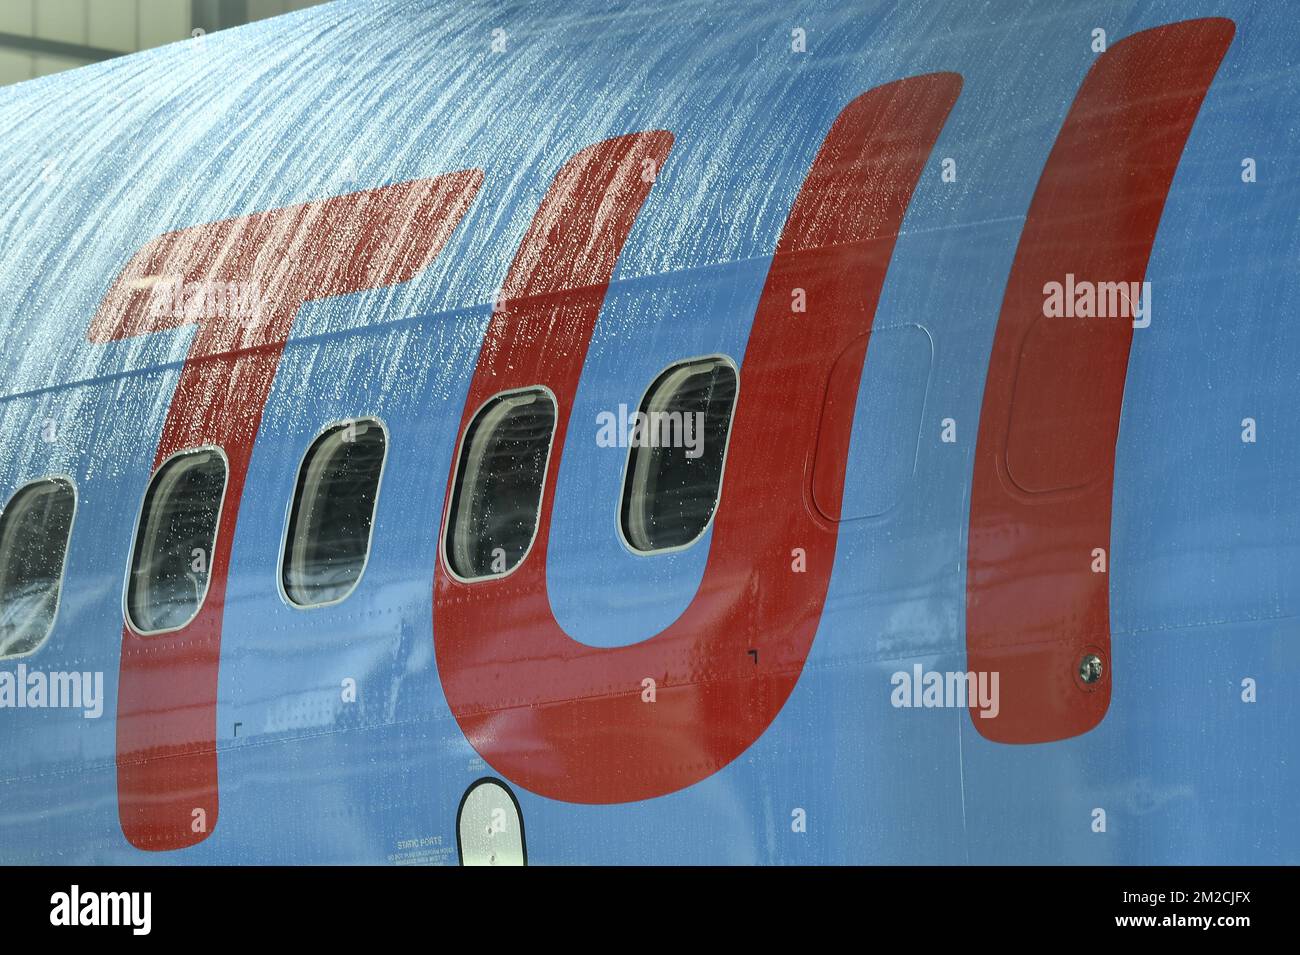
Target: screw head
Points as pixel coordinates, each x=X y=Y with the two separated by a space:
x=1090 y=668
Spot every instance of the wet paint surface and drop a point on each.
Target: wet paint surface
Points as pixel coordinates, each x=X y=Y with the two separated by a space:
x=166 y=720
x=1203 y=539
x=580 y=723
x=1038 y=583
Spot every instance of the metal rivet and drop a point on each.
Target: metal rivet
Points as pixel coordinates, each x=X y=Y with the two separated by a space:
x=1090 y=668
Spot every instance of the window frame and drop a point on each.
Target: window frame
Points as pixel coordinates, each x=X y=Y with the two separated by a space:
x=63 y=567
x=722 y=474
x=293 y=498
x=135 y=533
x=455 y=482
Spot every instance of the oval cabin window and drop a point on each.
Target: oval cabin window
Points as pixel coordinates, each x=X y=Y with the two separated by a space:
x=327 y=539
x=677 y=449
x=499 y=478
x=174 y=539
x=34 y=531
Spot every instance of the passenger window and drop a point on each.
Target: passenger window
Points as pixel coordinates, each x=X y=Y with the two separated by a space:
x=327 y=540
x=499 y=478
x=34 y=530
x=172 y=557
x=678 y=445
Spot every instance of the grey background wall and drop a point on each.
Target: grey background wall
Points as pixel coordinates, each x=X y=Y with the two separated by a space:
x=38 y=37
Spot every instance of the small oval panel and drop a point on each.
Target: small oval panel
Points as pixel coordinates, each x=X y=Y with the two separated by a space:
x=490 y=826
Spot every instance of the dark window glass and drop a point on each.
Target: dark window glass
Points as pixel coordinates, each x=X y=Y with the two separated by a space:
x=499 y=483
x=34 y=530
x=328 y=537
x=678 y=444
x=174 y=541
